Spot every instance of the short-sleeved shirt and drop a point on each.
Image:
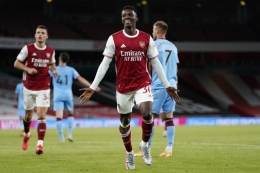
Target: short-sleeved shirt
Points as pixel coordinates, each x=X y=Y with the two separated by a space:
x=19 y=92
x=62 y=84
x=168 y=57
x=132 y=55
x=40 y=59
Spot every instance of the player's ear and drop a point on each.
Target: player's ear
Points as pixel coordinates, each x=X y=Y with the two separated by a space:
x=136 y=19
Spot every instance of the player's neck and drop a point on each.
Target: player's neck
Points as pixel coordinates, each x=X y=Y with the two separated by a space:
x=161 y=37
x=62 y=64
x=130 y=31
x=40 y=45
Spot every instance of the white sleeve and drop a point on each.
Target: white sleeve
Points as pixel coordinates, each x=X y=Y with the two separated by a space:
x=152 y=51
x=159 y=71
x=23 y=54
x=102 y=69
x=110 y=48
x=53 y=58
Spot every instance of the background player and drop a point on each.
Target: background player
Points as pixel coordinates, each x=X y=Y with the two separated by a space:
x=168 y=57
x=35 y=60
x=21 y=111
x=62 y=93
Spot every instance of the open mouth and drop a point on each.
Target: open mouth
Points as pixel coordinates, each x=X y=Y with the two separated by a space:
x=127 y=21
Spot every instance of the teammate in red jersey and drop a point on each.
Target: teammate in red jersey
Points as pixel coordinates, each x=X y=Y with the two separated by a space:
x=35 y=60
x=133 y=50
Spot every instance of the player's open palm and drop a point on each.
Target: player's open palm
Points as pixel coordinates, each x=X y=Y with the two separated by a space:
x=88 y=92
x=173 y=93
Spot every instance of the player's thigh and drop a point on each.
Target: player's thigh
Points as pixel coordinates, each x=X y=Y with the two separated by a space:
x=169 y=105
x=143 y=95
x=29 y=99
x=69 y=105
x=159 y=96
x=58 y=105
x=43 y=98
x=41 y=112
x=125 y=102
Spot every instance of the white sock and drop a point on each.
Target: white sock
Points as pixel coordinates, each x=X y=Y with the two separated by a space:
x=168 y=149
x=27 y=134
x=40 y=142
x=144 y=144
x=131 y=152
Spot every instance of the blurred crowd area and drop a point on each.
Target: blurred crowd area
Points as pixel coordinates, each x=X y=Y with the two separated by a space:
x=189 y=20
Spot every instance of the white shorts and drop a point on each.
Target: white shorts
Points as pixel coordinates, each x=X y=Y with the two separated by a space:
x=36 y=98
x=125 y=102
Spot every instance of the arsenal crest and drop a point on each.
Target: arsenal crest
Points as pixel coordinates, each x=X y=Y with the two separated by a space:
x=142 y=44
x=48 y=55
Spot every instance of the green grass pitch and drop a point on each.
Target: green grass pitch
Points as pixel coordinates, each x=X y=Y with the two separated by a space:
x=197 y=149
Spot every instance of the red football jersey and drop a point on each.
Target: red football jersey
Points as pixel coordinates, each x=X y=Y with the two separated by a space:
x=132 y=54
x=38 y=58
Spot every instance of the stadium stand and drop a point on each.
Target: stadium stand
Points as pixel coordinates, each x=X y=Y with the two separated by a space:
x=203 y=75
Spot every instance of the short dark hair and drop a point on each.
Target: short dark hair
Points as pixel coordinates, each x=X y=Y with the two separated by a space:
x=162 y=25
x=129 y=7
x=65 y=57
x=43 y=27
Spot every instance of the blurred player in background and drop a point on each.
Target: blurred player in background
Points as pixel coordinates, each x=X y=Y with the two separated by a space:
x=62 y=93
x=132 y=49
x=21 y=111
x=35 y=60
x=168 y=57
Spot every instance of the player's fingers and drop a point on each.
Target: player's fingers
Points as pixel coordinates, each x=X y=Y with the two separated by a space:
x=83 y=89
x=177 y=99
x=82 y=101
x=80 y=97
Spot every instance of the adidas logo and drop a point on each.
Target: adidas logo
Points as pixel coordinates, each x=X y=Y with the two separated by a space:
x=123 y=46
x=34 y=54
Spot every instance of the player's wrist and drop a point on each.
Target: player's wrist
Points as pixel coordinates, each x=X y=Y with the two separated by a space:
x=26 y=69
x=93 y=87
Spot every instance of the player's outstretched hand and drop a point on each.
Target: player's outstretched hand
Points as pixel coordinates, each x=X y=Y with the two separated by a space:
x=88 y=92
x=173 y=93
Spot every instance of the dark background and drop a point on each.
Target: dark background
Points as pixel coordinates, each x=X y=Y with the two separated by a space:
x=206 y=21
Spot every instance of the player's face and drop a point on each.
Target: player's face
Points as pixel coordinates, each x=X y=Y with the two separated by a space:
x=155 y=31
x=129 y=17
x=41 y=35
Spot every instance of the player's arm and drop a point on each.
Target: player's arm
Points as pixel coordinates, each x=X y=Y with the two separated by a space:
x=86 y=82
x=52 y=65
x=19 y=62
x=159 y=71
x=19 y=65
x=52 y=68
x=102 y=69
